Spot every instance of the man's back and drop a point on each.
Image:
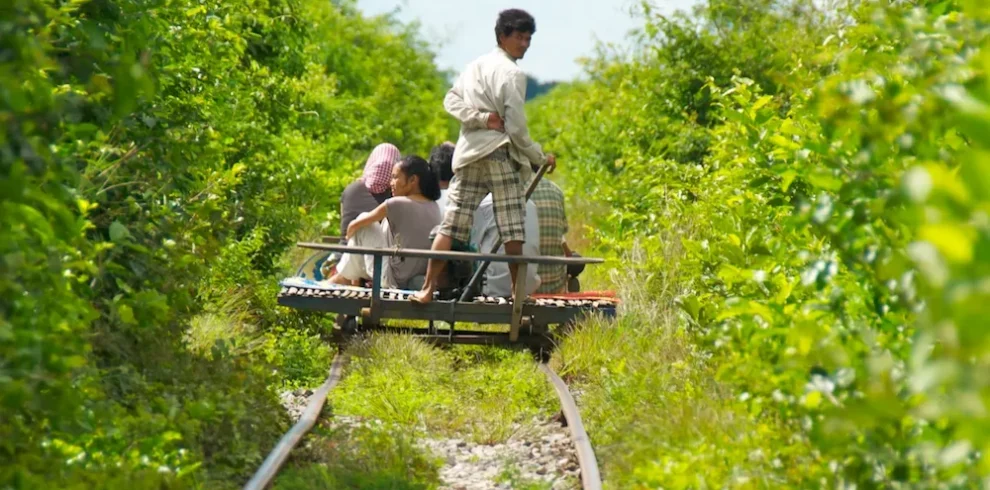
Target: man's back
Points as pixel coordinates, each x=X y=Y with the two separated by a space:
x=484 y=81
x=549 y=200
x=491 y=84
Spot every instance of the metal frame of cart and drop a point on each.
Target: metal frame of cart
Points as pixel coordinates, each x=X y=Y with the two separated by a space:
x=527 y=316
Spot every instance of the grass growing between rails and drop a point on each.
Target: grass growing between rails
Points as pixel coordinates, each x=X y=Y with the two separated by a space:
x=475 y=392
x=373 y=456
x=401 y=389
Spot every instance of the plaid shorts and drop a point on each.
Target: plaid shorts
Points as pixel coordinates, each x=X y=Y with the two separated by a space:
x=497 y=174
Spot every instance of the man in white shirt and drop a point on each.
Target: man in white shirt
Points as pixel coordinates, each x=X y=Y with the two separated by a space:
x=494 y=151
x=484 y=235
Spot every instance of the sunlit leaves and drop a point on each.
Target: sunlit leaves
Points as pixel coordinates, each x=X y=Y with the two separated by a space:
x=141 y=141
x=835 y=210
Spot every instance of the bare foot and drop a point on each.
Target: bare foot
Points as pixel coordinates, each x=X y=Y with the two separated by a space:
x=423 y=296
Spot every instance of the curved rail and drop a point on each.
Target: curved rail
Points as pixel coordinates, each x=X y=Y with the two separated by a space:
x=591 y=478
x=264 y=476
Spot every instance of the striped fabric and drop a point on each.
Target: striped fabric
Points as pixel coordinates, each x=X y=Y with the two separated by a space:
x=549 y=200
x=378 y=169
x=472 y=183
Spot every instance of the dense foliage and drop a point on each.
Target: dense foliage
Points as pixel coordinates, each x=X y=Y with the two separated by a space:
x=157 y=159
x=823 y=174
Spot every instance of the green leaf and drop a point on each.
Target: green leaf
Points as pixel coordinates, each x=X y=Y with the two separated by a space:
x=812 y=400
x=953 y=241
x=824 y=179
x=786 y=179
x=784 y=142
x=118 y=232
x=762 y=101
x=691 y=306
x=126 y=314
x=938 y=9
x=975 y=173
x=746 y=308
x=785 y=289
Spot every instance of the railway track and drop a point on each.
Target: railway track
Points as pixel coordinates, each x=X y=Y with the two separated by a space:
x=590 y=475
x=269 y=468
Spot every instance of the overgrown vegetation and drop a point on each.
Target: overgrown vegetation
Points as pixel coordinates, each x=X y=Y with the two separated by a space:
x=818 y=177
x=397 y=390
x=804 y=188
x=474 y=392
x=367 y=457
x=156 y=161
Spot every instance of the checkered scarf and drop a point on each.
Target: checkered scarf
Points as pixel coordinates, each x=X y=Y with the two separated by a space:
x=378 y=169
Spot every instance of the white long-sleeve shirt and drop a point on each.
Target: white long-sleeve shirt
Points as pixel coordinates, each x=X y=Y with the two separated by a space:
x=491 y=83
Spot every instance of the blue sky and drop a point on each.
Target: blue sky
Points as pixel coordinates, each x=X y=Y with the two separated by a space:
x=566 y=29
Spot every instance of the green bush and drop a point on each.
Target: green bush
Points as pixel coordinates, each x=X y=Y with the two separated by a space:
x=300 y=359
x=144 y=144
x=822 y=173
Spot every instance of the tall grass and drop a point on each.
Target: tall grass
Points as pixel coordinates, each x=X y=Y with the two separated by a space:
x=483 y=394
x=648 y=395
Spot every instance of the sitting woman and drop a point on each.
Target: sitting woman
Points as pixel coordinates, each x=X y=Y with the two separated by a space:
x=402 y=221
x=372 y=189
x=362 y=196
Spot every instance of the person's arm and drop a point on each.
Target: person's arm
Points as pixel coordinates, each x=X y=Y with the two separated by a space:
x=374 y=216
x=567 y=250
x=470 y=117
x=515 y=120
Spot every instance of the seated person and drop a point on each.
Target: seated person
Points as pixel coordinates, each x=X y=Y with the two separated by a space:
x=549 y=200
x=373 y=188
x=484 y=234
x=441 y=159
x=361 y=196
x=403 y=221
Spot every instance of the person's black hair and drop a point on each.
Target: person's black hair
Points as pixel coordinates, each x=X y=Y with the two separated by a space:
x=442 y=159
x=513 y=20
x=429 y=185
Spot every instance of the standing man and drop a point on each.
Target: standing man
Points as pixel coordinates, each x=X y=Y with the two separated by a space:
x=494 y=151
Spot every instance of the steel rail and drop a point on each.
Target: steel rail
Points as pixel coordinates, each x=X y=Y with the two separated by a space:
x=269 y=468
x=591 y=478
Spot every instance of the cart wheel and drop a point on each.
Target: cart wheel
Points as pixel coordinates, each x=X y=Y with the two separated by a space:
x=347 y=323
x=540 y=353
